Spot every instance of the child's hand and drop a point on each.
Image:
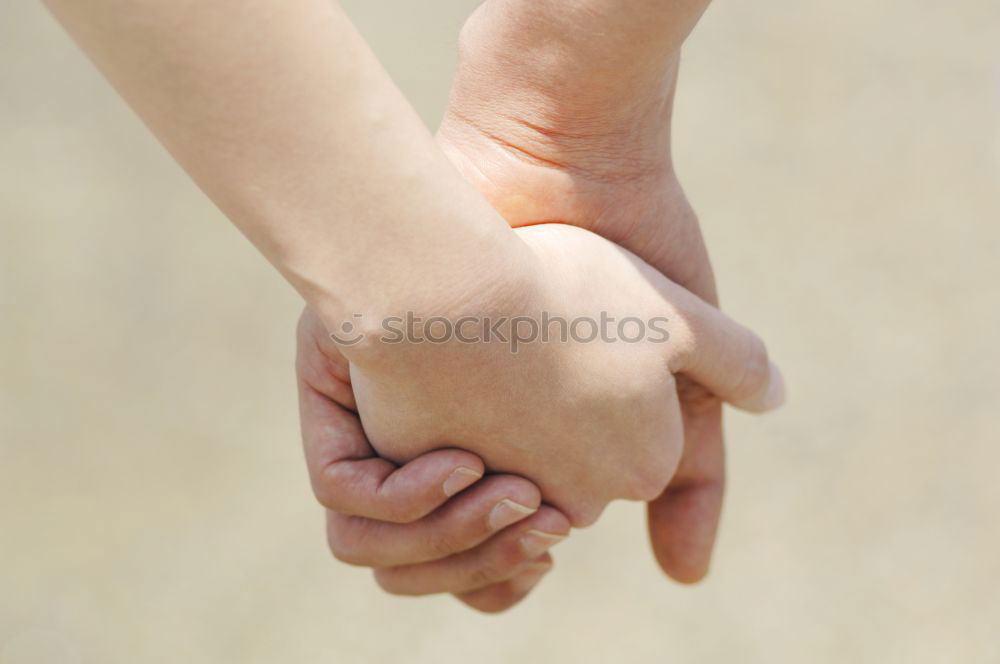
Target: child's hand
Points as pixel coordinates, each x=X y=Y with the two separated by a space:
x=490 y=539
x=592 y=414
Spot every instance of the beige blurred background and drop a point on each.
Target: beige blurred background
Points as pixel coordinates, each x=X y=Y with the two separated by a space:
x=845 y=159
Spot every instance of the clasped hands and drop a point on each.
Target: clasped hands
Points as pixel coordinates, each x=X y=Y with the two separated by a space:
x=454 y=467
x=549 y=194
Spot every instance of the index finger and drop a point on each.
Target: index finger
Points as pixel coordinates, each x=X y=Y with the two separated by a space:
x=723 y=356
x=348 y=477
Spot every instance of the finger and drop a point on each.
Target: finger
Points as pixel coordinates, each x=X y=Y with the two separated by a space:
x=501 y=558
x=501 y=596
x=464 y=522
x=348 y=478
x=684 y=519
x=723 y=356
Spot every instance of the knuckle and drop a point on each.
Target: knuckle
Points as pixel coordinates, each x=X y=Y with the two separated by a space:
x=442 y=545
x=647 y=475
x=502 y=563
x=343 y=543
x=509 y=557
x=650 y=479
x=398 y=513
x=326 y=495
x=449 y=533
x=342 y=552
x=333 y=482
x=442 y=539
x=486 y=574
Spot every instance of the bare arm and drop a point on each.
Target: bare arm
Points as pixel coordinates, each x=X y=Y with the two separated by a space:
x=283 y=116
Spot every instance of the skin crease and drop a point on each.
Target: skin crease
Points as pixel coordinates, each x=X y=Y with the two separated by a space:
x=545 y=411
x=375 y=508
x=532 y=161
x=402 y=438
x=644 y=210
x=568 y=461
x=536 y=156
x=261 y=98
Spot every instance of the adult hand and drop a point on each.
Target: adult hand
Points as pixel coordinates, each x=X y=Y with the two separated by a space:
x=536 y=156
x=565 y=136
x=585 y=405
x=558 y=433
x=611 y=172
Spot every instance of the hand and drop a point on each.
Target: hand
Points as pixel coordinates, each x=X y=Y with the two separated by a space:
x=490 y=576
x=587 y=421
x=502 y=595
x=539 y=155
x=403 y=521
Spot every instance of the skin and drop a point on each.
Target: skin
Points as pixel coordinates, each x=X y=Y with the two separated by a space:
x=561 y=447
x=598 y=158
x=588 y=422
x=375 y=507
x=253 y=99
x=222 y=85
x=512 y=132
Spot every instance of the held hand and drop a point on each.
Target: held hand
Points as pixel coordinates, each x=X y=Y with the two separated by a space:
x=627 y=206
x=429 y=526
x=589 y=421
x=537 y=155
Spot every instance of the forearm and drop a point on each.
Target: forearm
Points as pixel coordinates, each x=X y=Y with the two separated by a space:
x=280 y=112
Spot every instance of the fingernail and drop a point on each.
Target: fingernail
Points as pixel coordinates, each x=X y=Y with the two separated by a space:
x=507 y=512
x=459 y=479
x=534 y=542
x=539 y=567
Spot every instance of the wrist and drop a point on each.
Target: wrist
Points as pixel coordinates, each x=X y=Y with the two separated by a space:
x=566 y=103
x=606 y=51
x=498 y=280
